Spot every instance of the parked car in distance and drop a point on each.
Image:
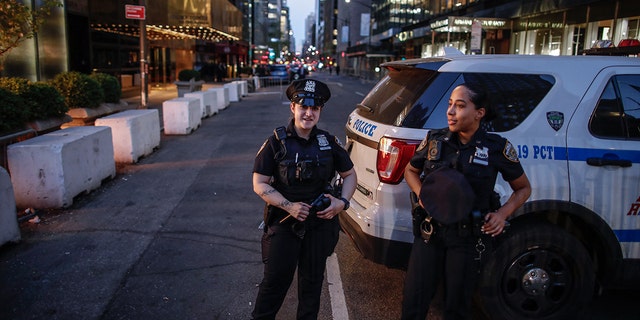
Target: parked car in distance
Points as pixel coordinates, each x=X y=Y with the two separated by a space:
x=279 y=72
x=297 y=72
x=574 y=122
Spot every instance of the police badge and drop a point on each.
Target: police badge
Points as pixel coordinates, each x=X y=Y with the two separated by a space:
x=323 y=143
x=555 y=119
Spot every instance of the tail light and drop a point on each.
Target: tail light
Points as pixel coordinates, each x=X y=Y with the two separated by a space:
x=393 y=156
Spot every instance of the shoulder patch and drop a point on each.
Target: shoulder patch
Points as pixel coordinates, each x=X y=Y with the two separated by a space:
x=423 y=144
x=510 y=152
x=262 y=147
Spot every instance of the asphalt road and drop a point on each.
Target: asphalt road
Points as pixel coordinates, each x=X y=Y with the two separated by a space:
x=176 y=235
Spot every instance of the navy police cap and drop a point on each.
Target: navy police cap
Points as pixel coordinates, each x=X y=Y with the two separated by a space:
x=308 y=92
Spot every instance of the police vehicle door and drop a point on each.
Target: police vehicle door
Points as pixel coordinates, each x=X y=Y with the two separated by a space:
x=603 y=151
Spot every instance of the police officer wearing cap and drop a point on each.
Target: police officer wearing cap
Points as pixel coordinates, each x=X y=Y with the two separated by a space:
x=454 y=171
x=293 y=168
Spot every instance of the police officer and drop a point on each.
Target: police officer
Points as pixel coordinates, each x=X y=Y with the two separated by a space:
x=293 y=168
x=459 y=166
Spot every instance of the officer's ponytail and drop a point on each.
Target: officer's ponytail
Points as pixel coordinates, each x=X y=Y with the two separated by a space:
x=480 y=98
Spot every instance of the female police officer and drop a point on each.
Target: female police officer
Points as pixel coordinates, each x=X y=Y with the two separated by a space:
x=460 y=165
x=292 y=169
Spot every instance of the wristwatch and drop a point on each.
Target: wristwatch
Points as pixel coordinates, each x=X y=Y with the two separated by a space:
x=346 y=203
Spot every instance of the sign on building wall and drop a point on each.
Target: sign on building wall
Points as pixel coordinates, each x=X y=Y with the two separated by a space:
x=476 y=36
x=365 y=24
x=189 y=12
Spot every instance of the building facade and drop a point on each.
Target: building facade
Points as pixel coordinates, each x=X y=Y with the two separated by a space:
x=404 y=30
x=97 y=36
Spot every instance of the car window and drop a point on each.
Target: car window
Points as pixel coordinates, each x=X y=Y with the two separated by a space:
x=618 y=111
x=395 y=95
x=513 y=96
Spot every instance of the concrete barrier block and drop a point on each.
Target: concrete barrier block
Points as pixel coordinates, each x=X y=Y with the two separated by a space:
x=243 y=86
x=136 y=133
x=222 y=94
x=181 y=115
x=9 y=230
x=234 y=91
x=48 y=171
x=207 y=100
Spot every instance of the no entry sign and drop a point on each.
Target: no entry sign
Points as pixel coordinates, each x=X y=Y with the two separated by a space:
x=134 y=12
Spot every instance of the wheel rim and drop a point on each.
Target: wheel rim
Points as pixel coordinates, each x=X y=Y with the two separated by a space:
x=537 y=283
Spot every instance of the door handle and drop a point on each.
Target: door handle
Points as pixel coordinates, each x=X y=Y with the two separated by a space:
x=600 y=162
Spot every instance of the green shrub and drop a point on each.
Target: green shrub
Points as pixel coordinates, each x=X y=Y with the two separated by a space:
x=13 y=112
x=45 y=101
x=16 y=85
x=110 y=86
x=188 y=74
x=78 y=89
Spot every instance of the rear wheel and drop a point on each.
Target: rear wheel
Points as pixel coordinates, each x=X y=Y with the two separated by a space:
x=538 y=272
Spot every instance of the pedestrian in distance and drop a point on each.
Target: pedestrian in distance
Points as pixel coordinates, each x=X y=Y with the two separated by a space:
x=337 y=70
x=456 y=212
x=293 y=173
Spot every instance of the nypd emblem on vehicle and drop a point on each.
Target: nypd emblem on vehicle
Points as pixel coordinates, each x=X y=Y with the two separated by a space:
x=555 y=119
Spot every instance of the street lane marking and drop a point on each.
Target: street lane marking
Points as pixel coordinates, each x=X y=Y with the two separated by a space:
x=338 y=302
x=360 y=94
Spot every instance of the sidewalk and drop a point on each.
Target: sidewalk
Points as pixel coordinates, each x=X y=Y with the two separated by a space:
x=171 y=237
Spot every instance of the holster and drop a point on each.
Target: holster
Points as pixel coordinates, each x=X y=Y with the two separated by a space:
x=418 y=214
x=477 y=220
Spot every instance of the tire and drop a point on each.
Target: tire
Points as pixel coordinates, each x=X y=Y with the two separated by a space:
x=538 y=272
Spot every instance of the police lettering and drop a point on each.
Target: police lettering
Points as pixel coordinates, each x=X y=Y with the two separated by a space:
x=543 y=152
x=539 y=152
x=364 y=127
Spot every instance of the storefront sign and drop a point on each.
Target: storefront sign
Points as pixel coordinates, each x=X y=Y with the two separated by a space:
x=467 y=22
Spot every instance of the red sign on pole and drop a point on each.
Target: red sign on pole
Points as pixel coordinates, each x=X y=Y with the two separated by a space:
x=134 y=12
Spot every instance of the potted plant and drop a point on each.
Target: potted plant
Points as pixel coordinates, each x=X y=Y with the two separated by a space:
x=188 y=81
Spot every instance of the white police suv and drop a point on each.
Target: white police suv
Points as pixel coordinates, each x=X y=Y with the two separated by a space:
x=575 y=122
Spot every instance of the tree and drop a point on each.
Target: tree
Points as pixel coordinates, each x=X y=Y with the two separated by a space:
x=19 y=22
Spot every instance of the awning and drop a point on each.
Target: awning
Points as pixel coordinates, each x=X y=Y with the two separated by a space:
x=160 y=32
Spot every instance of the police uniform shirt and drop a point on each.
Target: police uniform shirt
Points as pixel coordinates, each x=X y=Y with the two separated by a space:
x=479 y=160
x=300 y=149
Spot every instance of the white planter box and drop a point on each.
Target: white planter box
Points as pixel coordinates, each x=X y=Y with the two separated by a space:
x=207 y=100
x=136 y=133
x=181 y=115
x=234 y=91
x=9 y=230
x=48 y=171
x=222 y=94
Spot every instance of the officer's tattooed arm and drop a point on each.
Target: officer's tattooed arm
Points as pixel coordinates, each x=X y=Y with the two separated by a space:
x=270 y=195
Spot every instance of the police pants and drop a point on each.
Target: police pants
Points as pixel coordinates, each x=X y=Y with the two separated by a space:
x=282 y=251
x=449 y=255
